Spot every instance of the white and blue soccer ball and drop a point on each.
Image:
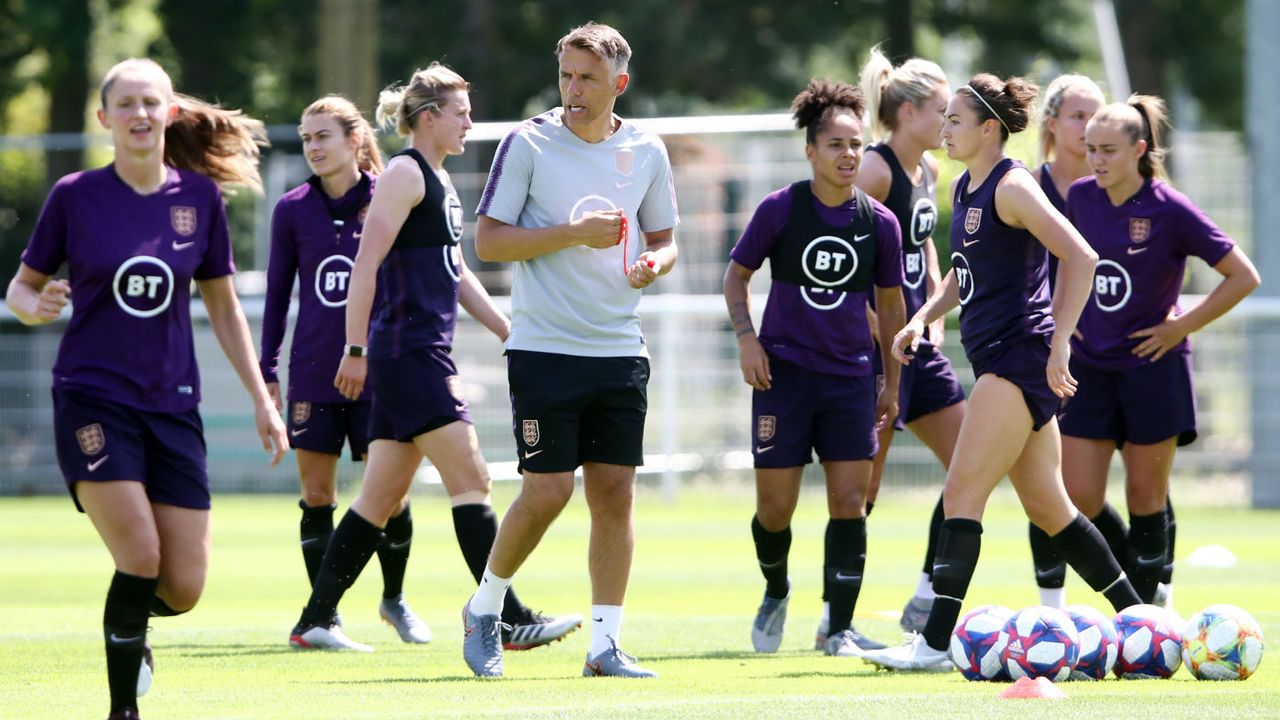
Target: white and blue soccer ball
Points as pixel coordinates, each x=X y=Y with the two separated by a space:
x=1150 y=642
x=1099 y=643
x=977 y=642
x=1222 y=642
x=1040 y=642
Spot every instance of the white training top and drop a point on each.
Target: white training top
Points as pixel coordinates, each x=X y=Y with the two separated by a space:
x=577 y=301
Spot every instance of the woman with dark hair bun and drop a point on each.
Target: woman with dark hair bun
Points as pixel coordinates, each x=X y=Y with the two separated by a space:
x=830 y=247
x=1018 y=341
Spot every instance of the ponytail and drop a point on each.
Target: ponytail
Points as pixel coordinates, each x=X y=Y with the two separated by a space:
x=400 y=105
x=1154 y=120
x=886 y=88
x=223 y=145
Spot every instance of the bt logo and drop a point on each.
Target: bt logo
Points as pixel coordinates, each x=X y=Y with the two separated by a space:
x=333 y=275
x=964 y=277
x=143 y=286
x=1112 y=286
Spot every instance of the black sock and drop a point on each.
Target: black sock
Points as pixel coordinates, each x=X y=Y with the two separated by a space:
x=1113 y=530
x=843 y=562
x=476 y=526
x=314 y=530
x=353 y=543
x=871 y=504
x=826 y=588
x=935 y=529
x=772 y=549
x=1082 y=546
x=124 y=630
x=1166 y=577
x=160 y=608
x=1148 y=541
x=1051 y=569
x=959 y=545
x=393 y=553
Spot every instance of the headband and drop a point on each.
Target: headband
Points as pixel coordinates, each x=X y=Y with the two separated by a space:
x=989 y=108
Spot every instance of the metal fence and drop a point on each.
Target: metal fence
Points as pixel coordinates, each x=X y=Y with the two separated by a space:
x=699 y=417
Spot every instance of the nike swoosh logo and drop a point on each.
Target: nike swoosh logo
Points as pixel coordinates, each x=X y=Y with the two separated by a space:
x=621 y=184
x=182 y=246
x=528 y=454
x=975 y=241
x=598 y=619
x=114 y=638
x=400 y=545
x=769 y=566
x=841 y=577
x=98 y=463
x=1051 y=572
x=1136 y=250
x=763 y=450
x=297 y=431
x=1150 y=559
x=860 y=238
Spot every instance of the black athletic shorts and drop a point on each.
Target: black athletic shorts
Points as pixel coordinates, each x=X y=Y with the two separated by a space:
x=568 y=410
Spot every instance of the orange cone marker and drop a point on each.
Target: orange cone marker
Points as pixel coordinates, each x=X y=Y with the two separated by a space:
x=1040 y=688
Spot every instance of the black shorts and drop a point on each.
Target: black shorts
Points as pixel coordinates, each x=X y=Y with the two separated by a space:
x=323 y=426
x=414 y=394
x=568 y=410
x=98 y=440
x=1143 y=405
x=1024 y=363
x=806 y=411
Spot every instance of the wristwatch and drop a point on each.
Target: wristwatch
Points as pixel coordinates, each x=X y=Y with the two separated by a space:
x=353 y=350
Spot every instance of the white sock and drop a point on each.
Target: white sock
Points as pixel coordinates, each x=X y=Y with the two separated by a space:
x=924 y=587
x=1053 y=597
x=826 y=612
x=489 y=595
x=606 y=626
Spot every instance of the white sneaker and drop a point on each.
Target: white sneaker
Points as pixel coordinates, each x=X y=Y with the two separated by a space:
x=396 y=613
x=146 y=671
x=319 y=637
x=536 y=630
x=766 y=630
x=914 y=656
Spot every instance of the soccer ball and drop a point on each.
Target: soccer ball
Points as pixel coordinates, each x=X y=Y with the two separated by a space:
x=977 y=641
x=1222 y=642
x=1099 y=644
x=1041 y=642
x=1150 y=642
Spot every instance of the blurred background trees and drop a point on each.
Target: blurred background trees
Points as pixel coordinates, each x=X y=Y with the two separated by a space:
x=271 y=57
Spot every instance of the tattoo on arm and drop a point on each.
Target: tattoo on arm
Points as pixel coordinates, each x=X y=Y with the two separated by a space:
x=741 y=317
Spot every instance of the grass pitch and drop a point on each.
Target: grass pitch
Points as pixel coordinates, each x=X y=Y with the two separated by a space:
x=693 y=594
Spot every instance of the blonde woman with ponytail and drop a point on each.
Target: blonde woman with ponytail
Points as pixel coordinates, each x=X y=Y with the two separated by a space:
x=134 y=235
x=409 y=257
x=905 y=106
x=315 y=233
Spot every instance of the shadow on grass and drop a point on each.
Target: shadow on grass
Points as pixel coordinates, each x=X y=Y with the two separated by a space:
x=200 y=650
x=721 y=655
x=430 y=680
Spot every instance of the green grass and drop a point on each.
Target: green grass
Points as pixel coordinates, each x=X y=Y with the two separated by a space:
x=693 y=594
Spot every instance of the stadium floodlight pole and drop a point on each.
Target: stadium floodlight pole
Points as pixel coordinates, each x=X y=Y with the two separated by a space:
x=1262 y=114
x=1104 y=19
